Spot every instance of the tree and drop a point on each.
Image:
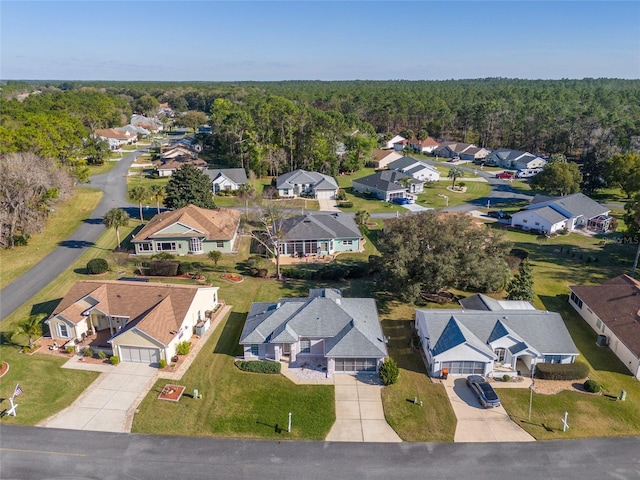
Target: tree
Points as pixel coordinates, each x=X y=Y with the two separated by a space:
x=192 y=119
x=521 y=285
x=430 y=251
x=215 y=256
x=116 y=218
x=362 y=217
x=188 y=185
x=454 y=174
x=30 y=327
x=558 y=178
x=623 y=170
x=158 y=192
x=270 y=220
x=96 y=150
x=139 y=193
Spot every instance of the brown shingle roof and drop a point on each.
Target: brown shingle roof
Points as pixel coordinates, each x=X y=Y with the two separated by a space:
x=112 y=133
x=219 y=224
x=177 y=162
x=617 y=303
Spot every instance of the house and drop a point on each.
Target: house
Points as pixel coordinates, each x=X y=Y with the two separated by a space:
x=381 y=158
x=400 y=145
x=141 y=132
x=515 y=159
x=166 y=167
x=552 y=214
x=612 y=310
x=344 y=332
x=387 y=185
x=389 y=144
x=136 y=321
x=320 y=234
x=227 y=179
x=492 y=342
x=300 y=183
x=426 y=145
x=152 y=124
x=415 y=168
x=463 y=151
x=480 y=301
x=189 y=230
x=177 y=150
x=116 y=138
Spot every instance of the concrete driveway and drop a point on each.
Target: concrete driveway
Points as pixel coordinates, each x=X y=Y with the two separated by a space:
x=414 y=207
x=477 y=424
x=359 y=412
x=109 y=402
x=328 y=205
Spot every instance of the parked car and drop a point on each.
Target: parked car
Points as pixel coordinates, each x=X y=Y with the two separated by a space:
x=499 y=214
x=483 y=390
x=506 y=175
x=400 y=200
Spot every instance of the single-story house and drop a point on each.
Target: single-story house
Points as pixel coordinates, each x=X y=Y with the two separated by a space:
x=551 y=214
x=166 y=167
x=479 y=301
x=189 y=230
x=143 y=132
x=152 y=124
x=345 y=332
x=177 y=150
x=381 y=158
x=612 y=310
x=488 y=342
x=387 y=185
x=426 y=145
x=227 y=179
x=391 y=143
x=463 y=151
x=515 y=159
x=320 y=234
x=116 y=138
x=300 y=183
x=415 y=168
x=400 y=145
x=139 y=322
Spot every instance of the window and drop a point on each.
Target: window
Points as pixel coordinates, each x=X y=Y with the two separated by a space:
x=255 y=350
x=576 y=300
x=464 y=367
x=63 y=331
x=195 y=245
x=347 y=242
x=501 y=354
x=553 y=359
x=599 y=325
x=537 y=223
x=220 y=244
x=305 y=345
x=145 y=247
x=166 y=246
x=524 y=220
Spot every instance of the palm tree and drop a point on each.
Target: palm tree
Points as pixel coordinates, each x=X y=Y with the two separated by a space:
x=31 y=327
x=362 y=217
x=138 y=193
x=455 y=173
x=158 y=192
x=116 y=218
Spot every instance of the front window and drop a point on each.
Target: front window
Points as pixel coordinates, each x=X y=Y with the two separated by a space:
x=166 y=246
x=553 y=358
x=195 y=244
x=347 y=242
x=305 y=345
x=220 y=244
x=145 y=247
x=501 y=354
x=254 y=350
x=63 y=331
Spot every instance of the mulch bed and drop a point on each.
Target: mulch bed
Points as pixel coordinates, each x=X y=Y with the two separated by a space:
x=4 y=368
x=171 y=393
x=232 y=277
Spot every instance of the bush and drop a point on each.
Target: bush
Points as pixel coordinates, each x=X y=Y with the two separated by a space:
x=389 y=371
x=97 y=265
x=163 y=256
x=345 y=204
x=102 y=355
x=341 y=195
x=592 y=386
x=259 y=366
x=185 y=268
x=163 y=268
x=183 y=348
x=115 y=360
x=557 y=371
x=162 y=363
x=70 y=349
x=87 y=352
x=506 y=378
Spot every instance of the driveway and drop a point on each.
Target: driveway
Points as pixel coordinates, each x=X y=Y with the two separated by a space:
x=477 y=424
x=414 y=207
x=359 y=412
x=109 y=402
x=328 y=205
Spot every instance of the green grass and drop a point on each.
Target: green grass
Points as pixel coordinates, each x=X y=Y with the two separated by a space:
x=474 y=190
x=100 y=169
x=59 y=226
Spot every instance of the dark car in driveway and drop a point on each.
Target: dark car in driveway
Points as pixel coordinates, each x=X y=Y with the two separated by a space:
x=483 y=391
x=499 y=214
x=400 y=201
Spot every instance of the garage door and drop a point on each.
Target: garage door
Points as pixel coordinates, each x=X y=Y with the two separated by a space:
x=356 y=365
x=464 y=368
x=140 y=354
x=324 y=194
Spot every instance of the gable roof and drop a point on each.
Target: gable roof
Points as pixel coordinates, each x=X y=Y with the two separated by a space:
x=350 y=326
x=177 y=162
x=219 y=224
x=114 y=134
x=320 y=226
x=617 y=303
x=385 y=180
x=427 y=142
x=577 y=204
x=302 y=177
x=506 y=154
x=410 y=165
x=480 y=301
x=157 y=309
x=236 y=175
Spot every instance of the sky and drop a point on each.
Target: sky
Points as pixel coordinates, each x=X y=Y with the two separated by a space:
x=318 y=40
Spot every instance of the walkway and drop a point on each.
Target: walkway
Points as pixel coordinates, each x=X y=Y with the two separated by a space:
x=328 y=205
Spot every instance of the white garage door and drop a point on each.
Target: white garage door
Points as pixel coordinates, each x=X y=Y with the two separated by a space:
x=464 y=367
x=356 y=365
x=140 y=354
x=324 y=194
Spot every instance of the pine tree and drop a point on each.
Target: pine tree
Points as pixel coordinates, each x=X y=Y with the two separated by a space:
x=521 y=285
x=189 y=186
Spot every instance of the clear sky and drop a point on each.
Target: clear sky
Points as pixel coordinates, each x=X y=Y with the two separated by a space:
x=323 y=40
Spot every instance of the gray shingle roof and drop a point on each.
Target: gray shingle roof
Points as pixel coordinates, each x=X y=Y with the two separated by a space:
x=551 y=215
x=320 y=227
x=577 y=204
x=480 y=301
x=236 y=175
x=385 y=181
x=302 y=177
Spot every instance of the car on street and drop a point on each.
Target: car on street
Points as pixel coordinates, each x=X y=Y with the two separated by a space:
x=483 y=391
x=506 y=175
x=400 y=201
x=499 y=214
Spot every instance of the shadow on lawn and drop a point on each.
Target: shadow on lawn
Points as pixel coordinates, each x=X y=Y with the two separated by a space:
x=228 y=342
x=401 y=349
x=275 y=427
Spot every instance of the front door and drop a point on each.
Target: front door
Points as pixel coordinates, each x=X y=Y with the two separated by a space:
x=286 y=349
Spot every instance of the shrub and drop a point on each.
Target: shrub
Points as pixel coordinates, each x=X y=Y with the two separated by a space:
x=557 y=371
x=259 y=366
x=21 y=240
x=70 y=349
x=97 y=265
x=163 y=268
x=185 y=267
x=341 y=195
x=183 y=348
x=347 y=204
x=389 y=371
x=506 y=378
x=115 y=360
x=162 y=363
x=163 y=256
x=87 y=352
x=592 y=386
x=102 y=355
x=263 y=272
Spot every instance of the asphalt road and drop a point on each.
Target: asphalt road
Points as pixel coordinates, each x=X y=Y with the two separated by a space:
x=44 y=272
x=32 y=453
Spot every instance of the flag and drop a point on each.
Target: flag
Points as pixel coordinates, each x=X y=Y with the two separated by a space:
x=17 y=391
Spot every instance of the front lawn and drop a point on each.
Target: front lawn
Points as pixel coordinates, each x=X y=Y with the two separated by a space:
x=432 y=195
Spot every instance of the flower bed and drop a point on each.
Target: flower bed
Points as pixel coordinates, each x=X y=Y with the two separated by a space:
x=4 y=368
x=171 y=393
x=232 y=277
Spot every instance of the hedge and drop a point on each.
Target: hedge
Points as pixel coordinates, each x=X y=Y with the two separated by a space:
x=558 y=371
x=163 y=268
x=259 y=366
x=97 y=265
